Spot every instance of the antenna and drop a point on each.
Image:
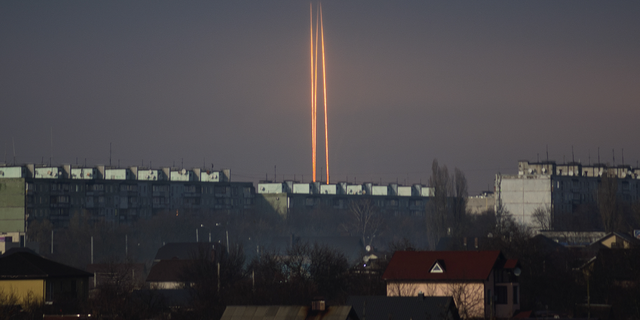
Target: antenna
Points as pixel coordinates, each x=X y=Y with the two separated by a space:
x=598 y=155
x=109 y=154
x=14 y=150
x=613 y=152
x=623 y=156
x=573 y=159
x=547 y=153
x=51 y=146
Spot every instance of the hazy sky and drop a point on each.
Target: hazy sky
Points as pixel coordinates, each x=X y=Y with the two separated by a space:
x=478 y=85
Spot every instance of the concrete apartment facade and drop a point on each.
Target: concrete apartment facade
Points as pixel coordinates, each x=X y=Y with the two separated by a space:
x=282 y=197
x=560 y=188
x=118 y=195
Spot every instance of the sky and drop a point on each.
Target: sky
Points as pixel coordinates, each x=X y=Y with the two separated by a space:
x=477 y=85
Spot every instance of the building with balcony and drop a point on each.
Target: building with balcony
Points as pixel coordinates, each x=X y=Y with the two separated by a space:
x=283 y=197
x=562 y=190
x=119 y=195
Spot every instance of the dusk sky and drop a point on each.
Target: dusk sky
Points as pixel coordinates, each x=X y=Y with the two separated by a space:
x=477 y=85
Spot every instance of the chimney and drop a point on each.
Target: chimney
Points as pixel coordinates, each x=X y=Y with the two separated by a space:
x=318 y=304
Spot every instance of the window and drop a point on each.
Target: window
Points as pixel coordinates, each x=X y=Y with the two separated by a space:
x=501 y=295
x=309 y=201
x=438 y=267
x=515 y=295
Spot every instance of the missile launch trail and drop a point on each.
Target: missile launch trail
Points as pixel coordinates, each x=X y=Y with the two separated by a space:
x=324 y=86
x=314 y=88
x=313 y=95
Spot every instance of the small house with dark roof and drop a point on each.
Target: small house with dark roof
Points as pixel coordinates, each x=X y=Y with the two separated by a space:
x=617 y=240
x=404 y=308
x=26 y=274
x=169 y=274
x=482 y=283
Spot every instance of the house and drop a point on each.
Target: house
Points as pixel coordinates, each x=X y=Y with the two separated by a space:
x=617 y=240
x=482 y=283
x=133 y=274
x=169 y=274
x=404 y=308
x=30 y=276
x=317 y=311
x=174 y=260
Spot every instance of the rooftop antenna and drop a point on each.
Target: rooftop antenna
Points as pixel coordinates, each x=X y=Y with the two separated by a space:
x=573 y=159
x=623 y=156
x=613 y=152
x=50 y=158
x=275 y=176
x=589 y=156
x=598 y=155
x=547 y=147
x=13 y=141
x=109 y=154
x=182 y=163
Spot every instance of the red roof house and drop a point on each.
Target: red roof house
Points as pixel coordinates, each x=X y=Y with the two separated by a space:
x=483 y=283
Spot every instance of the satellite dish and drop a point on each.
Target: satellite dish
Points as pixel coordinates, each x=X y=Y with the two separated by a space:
x=184 y=171
x=517 y=272
x=368 y=248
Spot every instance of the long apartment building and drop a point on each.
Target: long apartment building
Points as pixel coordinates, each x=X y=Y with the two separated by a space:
x=561 y=188
x=117 y=195
x=283 y=197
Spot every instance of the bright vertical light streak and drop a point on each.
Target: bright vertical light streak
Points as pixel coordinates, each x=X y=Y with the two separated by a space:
x=315 y=102
x=313 y=95
x=324 y=86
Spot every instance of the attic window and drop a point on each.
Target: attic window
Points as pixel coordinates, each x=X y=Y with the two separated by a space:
x=438 y=267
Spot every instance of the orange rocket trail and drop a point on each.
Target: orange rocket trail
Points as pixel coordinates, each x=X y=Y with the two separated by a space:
x=313 y=95
x=324 y=86
x=319 y=36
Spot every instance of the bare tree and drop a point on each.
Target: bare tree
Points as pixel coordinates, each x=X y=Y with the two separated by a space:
x=608 y=202
x=438 y=205
x=469 y=298
x=447 y=209
x=401 y=289
x=459 y=203
x=364 y=220
x=542 y=218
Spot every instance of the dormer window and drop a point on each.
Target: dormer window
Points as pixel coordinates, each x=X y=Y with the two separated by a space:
x=438 y=267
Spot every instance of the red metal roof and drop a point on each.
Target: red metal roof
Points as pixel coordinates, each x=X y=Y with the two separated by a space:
x=458 y=265
x=511 y=264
